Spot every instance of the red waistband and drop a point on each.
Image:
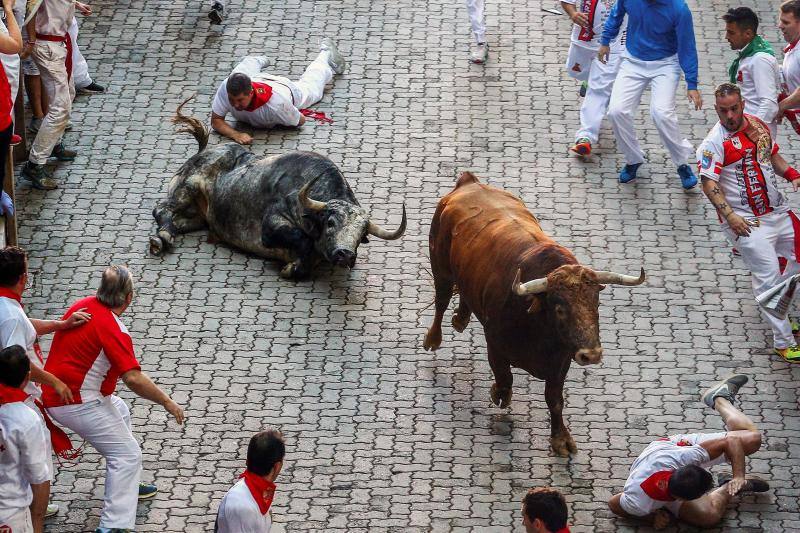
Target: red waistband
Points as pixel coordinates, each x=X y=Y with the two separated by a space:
x=54 y=38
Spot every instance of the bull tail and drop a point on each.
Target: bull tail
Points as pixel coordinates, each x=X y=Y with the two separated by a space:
x=465 y=178
x=191 y=125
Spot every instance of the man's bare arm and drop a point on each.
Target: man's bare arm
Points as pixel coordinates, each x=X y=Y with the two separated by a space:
x=717 y=198
x=141 y=384
x=223 y=128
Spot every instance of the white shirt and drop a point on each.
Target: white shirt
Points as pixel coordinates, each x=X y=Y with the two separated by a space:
x=16 y=328
x=239 y=512
x=790 y=69
x=54 y=17
x=591 y=39
x=23 y=457
x=759 y=79
x=279 y=109
x=659 y=456
x=743 y=170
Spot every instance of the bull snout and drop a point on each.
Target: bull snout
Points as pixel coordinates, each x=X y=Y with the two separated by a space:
x=343 y=258
x=589 y=356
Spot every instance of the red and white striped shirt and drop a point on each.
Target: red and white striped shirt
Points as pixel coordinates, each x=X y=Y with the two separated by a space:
x=90 y=359
x=743 y=169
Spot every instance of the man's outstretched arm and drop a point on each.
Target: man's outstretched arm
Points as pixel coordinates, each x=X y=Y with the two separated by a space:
x=223 y=128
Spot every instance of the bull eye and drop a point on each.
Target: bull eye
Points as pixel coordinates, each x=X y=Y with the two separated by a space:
x=331 y=222
x=560 y=311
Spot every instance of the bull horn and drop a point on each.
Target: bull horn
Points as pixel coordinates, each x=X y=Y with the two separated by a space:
x=310 y=203
x=612 y=278
x=379 y=232
x=534 y=286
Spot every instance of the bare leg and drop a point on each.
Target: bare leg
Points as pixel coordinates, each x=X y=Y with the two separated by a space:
x=707 y=510
x=444 y=291
x=462 y=316
x=503 y=379
x=560 y=439
x=33 y=86
x=734 y=419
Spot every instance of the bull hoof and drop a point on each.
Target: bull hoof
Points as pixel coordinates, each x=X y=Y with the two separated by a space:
x=500 y=397
x=563 y=446
x=433 y=339
x=460 y=324
x=156 y=245
x=294 y=271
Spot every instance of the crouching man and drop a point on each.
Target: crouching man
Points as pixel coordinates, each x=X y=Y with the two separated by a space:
x=90 y=359
x=264 y=100
x=670 y=477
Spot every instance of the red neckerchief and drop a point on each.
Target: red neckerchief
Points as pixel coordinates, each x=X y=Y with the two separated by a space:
x=791 y=46
x=262 y=490
x=5 y=292
x=657 y=486
x=11 y=394
x=262 y=92
x=564 y=529
x=60 y=441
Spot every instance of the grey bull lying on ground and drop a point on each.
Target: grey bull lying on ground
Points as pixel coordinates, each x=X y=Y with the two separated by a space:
x=296 y=207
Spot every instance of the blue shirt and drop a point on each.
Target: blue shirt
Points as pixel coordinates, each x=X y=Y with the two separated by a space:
x=656 y=29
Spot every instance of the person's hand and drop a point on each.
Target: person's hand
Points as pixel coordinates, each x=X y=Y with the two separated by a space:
x=63 y=391
x=602 y=53
x=581 y=19
x=27 y=50
x=781 y=112
x=694 y=96
x=242 y=138
x=795 y=185
x=661 y=519
x=738 y=224
x=175 y=410
x=735 y=485
x=77 y=318
x=6 y=205
x=86 y=9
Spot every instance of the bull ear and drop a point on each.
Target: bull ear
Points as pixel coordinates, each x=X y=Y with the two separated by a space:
x=536 y=305
x=312 y=224
x=602 y=287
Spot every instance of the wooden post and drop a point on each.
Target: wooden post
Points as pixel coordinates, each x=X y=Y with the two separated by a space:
x=10 y=221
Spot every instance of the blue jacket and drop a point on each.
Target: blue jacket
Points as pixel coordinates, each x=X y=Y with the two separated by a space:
x=656 y=29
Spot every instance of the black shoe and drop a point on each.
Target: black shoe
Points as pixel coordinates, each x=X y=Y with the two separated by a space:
x=727 y=388
x=39 y=177
x=215 y=15
x=92 y=88
x=63 y=154
x=752 y=483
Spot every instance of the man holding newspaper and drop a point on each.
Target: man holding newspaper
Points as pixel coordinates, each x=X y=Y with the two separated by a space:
x=739 y=165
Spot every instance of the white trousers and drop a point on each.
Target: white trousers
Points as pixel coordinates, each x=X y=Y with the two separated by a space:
x=49 y=57
x=106 y=425
x=306 y=91
x=29 y=401
x=80 y=69
x=19 y=523
x=773 y=238
x=598 y=94
x=663 y=77
x=477 y=19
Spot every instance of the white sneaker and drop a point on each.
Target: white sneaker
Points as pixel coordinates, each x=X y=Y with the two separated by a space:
x=335 y=59
x=52 y=510
x=479 y=53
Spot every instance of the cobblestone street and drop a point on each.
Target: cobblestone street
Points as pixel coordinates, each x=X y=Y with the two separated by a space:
x=383 y=436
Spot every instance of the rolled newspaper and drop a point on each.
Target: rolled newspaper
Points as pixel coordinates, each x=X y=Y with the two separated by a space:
x=777 y=300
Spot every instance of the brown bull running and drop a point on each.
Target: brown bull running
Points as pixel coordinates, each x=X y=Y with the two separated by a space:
x=483 y=241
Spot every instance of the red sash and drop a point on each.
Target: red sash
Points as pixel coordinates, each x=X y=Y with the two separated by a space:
x=61 y=39
x=262 y=92
x=792 y=115
x=587 y=34
x=262 y=490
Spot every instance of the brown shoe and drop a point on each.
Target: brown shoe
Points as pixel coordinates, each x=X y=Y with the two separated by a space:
x=39 y=177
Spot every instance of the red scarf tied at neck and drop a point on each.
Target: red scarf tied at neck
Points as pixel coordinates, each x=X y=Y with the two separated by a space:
x=262 y=490
x=5 y=292
x=60 y=441
x=657 y=486
x=262 y=92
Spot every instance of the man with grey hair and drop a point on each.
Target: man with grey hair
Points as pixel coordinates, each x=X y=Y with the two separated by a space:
x=90 y=359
